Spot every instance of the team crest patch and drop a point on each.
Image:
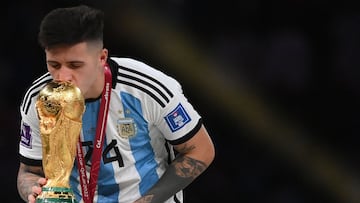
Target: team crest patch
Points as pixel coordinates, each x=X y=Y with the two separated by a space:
x=126 y=127
x=177 y=118
x=26 y=135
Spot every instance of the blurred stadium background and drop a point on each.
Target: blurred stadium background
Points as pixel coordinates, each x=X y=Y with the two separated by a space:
x=277 y=82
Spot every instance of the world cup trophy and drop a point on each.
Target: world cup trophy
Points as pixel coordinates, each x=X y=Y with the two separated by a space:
x=60 y=107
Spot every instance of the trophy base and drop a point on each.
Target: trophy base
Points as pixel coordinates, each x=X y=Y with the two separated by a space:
x=56 y=195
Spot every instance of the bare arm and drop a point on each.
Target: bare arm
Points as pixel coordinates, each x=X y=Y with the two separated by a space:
x=29 y=181
x=194 y=157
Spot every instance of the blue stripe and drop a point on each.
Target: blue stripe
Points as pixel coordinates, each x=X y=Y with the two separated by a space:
x=74 y=182
x=140 y=143
x=108 y=189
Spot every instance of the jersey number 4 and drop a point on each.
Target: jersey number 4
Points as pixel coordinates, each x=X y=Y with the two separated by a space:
x=106 y=153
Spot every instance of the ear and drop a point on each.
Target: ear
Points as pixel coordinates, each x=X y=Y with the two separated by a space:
x=103 y=56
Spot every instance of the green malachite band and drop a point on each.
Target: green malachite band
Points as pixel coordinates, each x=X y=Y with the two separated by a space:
x=65 y=195
x=55 y=200
x=56 y=189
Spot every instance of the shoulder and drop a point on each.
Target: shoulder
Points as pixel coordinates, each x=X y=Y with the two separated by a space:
x=133 y=68
x=137 y=66
x=136 y=75
x=127 y=62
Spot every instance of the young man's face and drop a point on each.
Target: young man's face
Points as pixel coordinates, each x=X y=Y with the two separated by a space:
x=82 y=64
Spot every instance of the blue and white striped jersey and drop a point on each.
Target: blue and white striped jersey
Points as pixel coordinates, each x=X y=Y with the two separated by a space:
x=148 y=110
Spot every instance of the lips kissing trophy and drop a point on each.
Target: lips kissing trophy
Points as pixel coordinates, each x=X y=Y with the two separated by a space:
x=60 y=107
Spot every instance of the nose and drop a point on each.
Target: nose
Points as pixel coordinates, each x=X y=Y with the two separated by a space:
x=63 y=74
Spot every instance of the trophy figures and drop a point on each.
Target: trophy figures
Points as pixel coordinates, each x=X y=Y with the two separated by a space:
x=60 y=107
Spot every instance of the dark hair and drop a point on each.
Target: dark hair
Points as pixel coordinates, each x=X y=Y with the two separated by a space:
x=70 y=26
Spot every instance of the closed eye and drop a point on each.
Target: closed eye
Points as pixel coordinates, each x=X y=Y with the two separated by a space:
x=75 y=64
x=71 y=65
x=54 y=64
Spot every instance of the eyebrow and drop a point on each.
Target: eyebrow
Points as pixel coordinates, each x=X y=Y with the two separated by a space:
x=50 y=61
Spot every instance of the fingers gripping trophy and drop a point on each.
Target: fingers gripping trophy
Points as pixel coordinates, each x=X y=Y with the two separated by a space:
x=60 y=107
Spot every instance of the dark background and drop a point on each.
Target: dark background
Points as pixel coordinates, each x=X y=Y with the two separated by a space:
x=277 y=83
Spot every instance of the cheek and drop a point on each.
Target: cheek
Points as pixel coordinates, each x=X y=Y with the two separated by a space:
x=85 y=80
x=51 y=71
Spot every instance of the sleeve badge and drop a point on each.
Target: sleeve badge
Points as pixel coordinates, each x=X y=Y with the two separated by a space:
x=177 y=118
x=25 y=135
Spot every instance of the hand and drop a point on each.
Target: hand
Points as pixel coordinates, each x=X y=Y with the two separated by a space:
x=36 y=190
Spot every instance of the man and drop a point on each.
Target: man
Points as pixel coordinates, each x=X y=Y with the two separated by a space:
x=164 y=146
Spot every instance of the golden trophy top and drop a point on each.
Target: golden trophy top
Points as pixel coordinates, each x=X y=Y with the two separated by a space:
x=57 y=96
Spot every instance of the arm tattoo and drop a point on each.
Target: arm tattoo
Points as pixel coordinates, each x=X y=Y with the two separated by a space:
x=187 y=167
x=145 y=199
x=181 y=172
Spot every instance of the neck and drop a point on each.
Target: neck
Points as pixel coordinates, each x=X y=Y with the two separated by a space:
x=96 y=89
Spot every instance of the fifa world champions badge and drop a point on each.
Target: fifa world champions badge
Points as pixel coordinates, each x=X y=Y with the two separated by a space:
x=177 y=118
